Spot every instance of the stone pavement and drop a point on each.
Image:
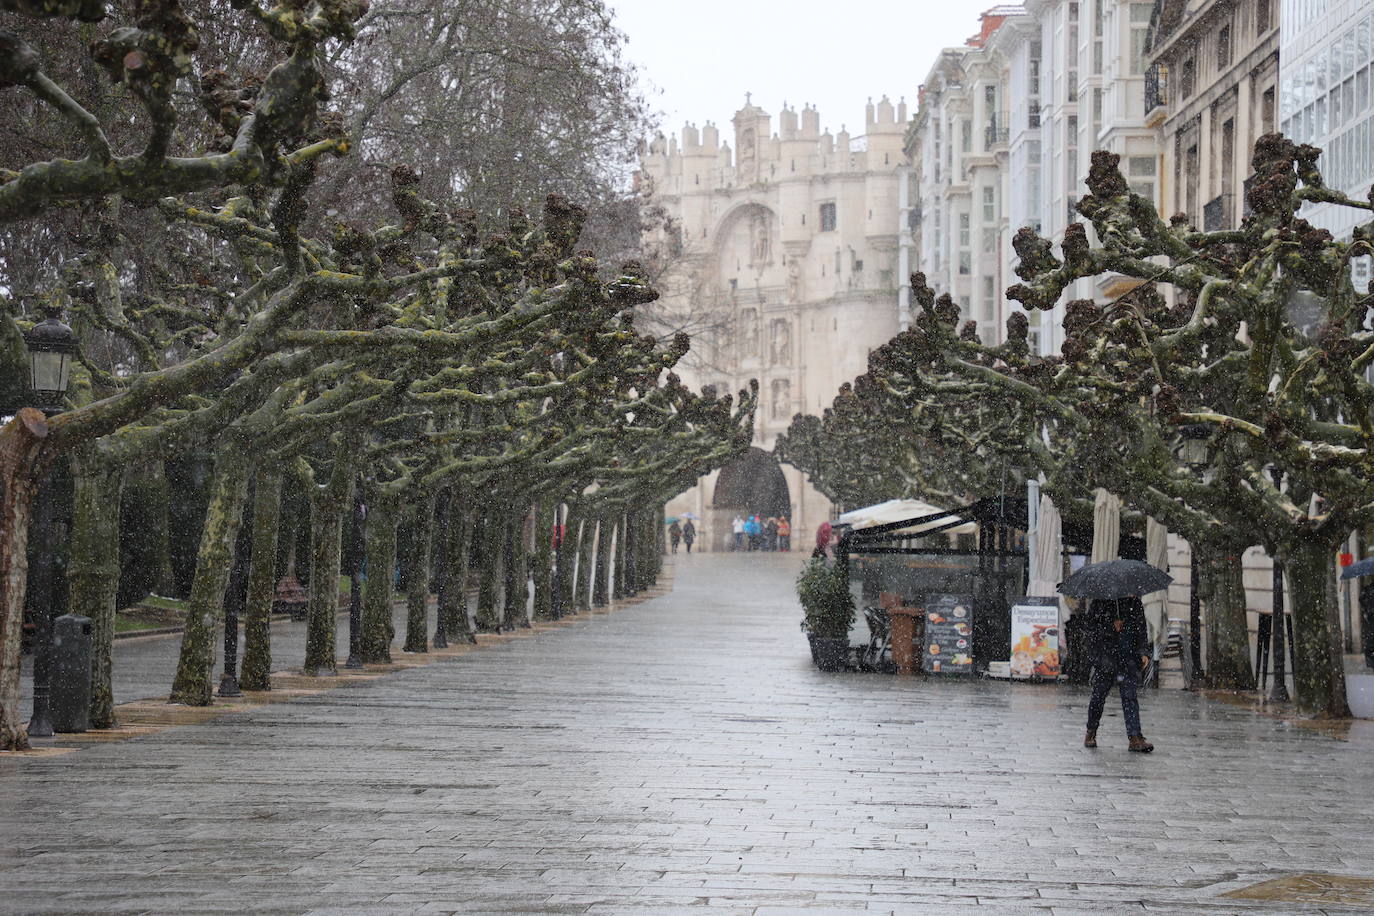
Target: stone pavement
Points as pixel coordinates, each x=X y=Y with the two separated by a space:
x=684 y=753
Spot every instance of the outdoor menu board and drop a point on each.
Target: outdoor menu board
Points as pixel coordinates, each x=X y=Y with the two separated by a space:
x=1035 y=639
x=949 y=635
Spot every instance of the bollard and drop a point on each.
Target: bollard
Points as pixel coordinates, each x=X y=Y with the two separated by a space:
x=71 y=674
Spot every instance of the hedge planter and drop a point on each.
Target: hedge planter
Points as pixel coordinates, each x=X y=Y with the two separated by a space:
x=829 y=654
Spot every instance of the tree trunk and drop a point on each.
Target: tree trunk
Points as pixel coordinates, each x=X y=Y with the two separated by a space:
x=256 y=673
x=375 y=644
x=1228 y=630
x=94 y=568
x=601 y=564
x=228 y=490
x=1319 y=673
x=517 y=578
x=326 y=534
x=618 y=552
x=453 y=604
x=543 y=558
x=488 y=558
x=21 y=468
x=586 y=562
x=420 y=521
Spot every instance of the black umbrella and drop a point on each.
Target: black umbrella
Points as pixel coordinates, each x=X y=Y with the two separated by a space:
x=1362 y=568
x=1115 y=579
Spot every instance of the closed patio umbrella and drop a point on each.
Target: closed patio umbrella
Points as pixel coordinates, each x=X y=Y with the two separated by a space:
x=1106 y=526
x=1157 y=555
x=1046 y=565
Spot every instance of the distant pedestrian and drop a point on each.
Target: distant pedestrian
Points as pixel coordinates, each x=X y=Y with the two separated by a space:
x=770 y=534
x=674 y=534
x=737 y=528
x=752 y=530
x=689 y=534
x=824 y=532
x=784 y=534
x=1118 y=641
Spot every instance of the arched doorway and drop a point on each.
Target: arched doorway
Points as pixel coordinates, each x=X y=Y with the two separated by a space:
x=753 y=485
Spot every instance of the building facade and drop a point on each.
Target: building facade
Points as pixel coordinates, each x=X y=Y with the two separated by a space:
x=1326 y=56
x=787 y=272
x=1212 y=92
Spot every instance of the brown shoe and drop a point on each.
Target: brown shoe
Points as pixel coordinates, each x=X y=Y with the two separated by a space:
x=1090 y=739
x=1140 y=745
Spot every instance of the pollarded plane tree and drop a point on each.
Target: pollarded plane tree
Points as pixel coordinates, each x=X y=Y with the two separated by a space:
x=1286 y=403
x=906 y=428
x=275 y=135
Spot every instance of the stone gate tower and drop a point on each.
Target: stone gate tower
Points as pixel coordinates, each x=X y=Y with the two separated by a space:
x=787 y=273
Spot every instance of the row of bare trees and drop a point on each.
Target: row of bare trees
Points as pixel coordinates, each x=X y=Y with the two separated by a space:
x=1207 y=344
x=188 y=192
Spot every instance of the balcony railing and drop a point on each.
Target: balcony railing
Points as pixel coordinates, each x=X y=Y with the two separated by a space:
x=1156 y=87
x=1216 y=213
x=995 y=136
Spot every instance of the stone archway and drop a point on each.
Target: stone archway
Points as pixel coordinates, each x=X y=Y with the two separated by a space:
x=753 y=485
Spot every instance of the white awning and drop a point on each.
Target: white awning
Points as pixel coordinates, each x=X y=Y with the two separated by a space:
x=896 y=510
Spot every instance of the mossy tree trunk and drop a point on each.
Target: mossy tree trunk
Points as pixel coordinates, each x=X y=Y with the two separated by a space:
x=1228 y=629
x=544 y=516
x=564 y=558
x=228 y=491
x=419 y=515
x=601 y=564
x=93 y=571
x=618 y=555
x=453 y=603
x=256 y=673
x=517 y=577
x=327 y=506
x=488 y=564
x=375 y=643
x=586 y=563
x=1319 y=674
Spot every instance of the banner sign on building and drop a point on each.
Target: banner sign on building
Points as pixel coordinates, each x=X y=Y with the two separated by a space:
x=1035 y=639
x=949 y=635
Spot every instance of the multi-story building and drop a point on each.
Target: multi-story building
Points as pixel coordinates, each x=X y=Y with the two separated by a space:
x=788 y=274
x=1326 y=98
x=1211 y=92
x=959 y=144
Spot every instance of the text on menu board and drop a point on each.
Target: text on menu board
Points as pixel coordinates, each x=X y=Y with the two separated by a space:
x=949 y=635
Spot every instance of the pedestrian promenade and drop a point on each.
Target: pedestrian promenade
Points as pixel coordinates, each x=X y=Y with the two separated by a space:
x=681 y=754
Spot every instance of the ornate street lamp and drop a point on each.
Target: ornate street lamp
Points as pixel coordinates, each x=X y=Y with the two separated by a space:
x=1194 y=452
x=51 y=346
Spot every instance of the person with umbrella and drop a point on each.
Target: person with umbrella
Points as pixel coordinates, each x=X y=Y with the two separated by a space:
x=675 y=534
x=1118 y=638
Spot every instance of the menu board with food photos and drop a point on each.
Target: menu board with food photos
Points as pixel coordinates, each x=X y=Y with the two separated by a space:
x=1035 y=639
x=949 y=635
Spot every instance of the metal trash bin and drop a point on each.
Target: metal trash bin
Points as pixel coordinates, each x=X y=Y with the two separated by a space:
x=71 y=674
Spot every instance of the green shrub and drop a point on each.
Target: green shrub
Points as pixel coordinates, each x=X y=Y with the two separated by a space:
x=827 y=605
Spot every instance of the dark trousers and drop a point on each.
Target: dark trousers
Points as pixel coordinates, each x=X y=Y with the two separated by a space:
x=1126 y=678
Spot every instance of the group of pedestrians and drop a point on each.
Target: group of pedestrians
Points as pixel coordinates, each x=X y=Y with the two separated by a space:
x=679 y=532
x=755 y=533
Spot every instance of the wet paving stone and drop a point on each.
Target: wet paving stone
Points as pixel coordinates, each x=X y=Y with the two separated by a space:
x=683 y=755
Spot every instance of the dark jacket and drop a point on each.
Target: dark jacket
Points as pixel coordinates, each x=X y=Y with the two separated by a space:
x=1110 y=649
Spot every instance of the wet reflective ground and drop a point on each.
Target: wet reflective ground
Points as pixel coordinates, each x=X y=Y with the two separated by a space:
x=684 y=753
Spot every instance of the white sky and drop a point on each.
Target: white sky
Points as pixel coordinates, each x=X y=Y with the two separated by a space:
x=698 y=58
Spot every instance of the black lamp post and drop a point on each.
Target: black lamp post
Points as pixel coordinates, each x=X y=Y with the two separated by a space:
x=51 y=346
x=1194 y=453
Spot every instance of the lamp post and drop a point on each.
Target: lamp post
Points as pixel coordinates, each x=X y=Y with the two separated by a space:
x=50 y=345
x=1194 y=453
